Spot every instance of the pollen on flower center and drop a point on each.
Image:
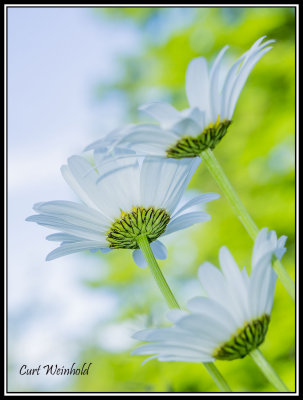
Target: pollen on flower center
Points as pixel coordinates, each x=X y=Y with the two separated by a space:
x=189 y=146
x=124 y=231
x=244 y=340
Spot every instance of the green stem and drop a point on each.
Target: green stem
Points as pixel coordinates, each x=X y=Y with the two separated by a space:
x=268 y=371
x=243 y=215
x=172 y=303
x=217 y=377
x=156 y=271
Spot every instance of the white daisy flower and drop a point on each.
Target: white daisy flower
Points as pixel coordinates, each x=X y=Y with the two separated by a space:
x=122 y=199
x=212 y=95
x=232 y=320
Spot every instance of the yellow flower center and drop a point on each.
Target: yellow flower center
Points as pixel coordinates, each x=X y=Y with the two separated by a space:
x=124 y=231
x=188 y=146
x=244 y=340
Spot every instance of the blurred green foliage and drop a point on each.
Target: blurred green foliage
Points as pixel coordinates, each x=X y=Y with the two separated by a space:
x=257 y=155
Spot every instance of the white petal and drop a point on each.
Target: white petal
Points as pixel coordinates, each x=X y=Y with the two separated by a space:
x=149 y=139
x=214 y=284
x=186 y=220
x=241 y=79
x=119 y=185
x=262 y=283
x=165 y=113
x=201 y=199
x=228 y=87
x=210 y=308
x=196 y=115
x=63 y=237
x=197 y=83
x=201 y=358
x=215 y=96
x=74 y=213
x=245 y=277
x=76 y=187
x=86 y=178
x=159 y=250
x=105 y=250
x=267 y=245
x=270 y=293
x=73 y=248
x=148 y=359
x=139 y=259
x=280 y=251
x=67 y=227
x=186 y=127
x=260 y=245
x=167 y=191
x=168 y=350
x=233 y=74
x=234 y=280
x=173 y=336
x=102 y=157
x=207 y=327
x=175 y=314
x=107 y=142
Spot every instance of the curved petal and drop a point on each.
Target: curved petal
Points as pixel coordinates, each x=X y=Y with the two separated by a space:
x=68 y=227
x=165 y=113
x=201 y=199
x=235 y=283
x=166 y=349
x=214 y=284
x=215 y=96
x=74 y=213
x=118 y=185
x=210 y=308
x=175 y=314
x=70 y=248
x=171 y=335
x=185 y=221
x=139 y=259
x=197 y=83
x=167 y=191
x=206 y=327
x=261 y=289
x=266 y=245
x=198 y=358
x=77 y=188
x=159 y=250
x=241 y=79
x=63 y=237
x=186 y=127
x=149 y=139
x=196 y=115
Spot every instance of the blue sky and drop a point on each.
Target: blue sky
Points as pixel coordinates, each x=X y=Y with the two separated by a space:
x=55 y=58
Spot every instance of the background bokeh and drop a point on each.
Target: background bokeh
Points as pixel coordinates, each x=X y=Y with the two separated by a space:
x=73 y=75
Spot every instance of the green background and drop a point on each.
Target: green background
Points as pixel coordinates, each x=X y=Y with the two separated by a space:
x=258 y=155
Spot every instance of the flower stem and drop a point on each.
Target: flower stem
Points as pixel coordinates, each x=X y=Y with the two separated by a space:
x=172 y=303
x=243 y=215
x=268 y=371
x=217 y=377
x=156 y=271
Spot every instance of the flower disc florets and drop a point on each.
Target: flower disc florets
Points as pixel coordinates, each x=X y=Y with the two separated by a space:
x=245 y=340
x=149 y=221
x=189 y=146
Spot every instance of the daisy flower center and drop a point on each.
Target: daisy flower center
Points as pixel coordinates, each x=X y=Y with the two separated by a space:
x=149 y=221
x=189 y=146
x=244 y=340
